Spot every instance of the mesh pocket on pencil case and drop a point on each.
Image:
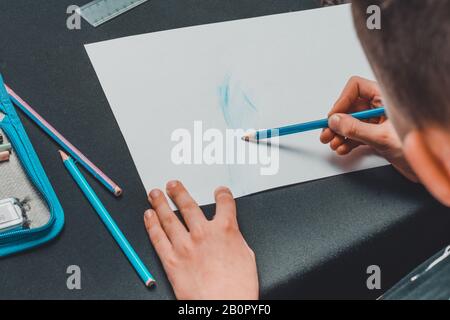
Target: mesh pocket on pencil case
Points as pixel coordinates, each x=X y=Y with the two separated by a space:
x=22 y=205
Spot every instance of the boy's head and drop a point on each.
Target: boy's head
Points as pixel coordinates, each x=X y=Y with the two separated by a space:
x=410 y=56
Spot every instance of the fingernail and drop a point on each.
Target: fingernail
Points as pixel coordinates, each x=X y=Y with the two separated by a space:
x=148 y=214
x=333 y=121
x=377 y=101
x=222 y=189
x=172 y=184
x=154 y=193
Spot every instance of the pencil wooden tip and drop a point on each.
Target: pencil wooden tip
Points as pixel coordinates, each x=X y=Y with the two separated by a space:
x=150 y=283
x=118 y=191
x=250 y=135
x=64 y=156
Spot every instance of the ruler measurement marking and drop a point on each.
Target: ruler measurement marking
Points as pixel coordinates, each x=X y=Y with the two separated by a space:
x=100 y=11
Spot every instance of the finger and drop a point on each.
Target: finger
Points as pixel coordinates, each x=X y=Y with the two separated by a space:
x=225 y=206
x=347 y=147
x=355 y=89
x=169 y=221
x=377 y=101
x=363 y=105
x=327 y=135
x=354 y=129
x=337 y=142
x=374 y=120
x=157 y=235
x=191 y=212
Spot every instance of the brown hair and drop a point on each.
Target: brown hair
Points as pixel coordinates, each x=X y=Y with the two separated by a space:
x=332 y=2
x=410 y=54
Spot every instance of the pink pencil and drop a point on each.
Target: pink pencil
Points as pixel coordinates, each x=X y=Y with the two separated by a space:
x=64 y=143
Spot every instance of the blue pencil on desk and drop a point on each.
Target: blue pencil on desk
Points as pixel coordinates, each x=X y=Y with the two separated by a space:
x=112 y=227
x=307 y=126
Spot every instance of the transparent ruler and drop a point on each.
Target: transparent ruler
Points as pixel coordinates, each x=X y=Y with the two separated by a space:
x=100 y=11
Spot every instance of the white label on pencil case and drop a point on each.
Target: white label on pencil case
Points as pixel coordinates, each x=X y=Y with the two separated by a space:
x=10 y=215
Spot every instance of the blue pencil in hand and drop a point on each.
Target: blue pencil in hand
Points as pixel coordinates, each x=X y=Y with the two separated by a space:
x=112 y=227
x=308 y=126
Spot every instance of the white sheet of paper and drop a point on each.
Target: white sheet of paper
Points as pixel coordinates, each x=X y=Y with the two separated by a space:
x=253 y=73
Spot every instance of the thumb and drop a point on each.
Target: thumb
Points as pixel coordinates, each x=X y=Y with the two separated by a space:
x=349 y=127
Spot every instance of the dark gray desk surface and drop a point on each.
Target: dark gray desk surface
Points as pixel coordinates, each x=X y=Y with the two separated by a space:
x=312 y=240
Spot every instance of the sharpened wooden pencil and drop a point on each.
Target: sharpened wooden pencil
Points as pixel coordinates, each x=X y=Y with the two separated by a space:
x=109 y=222
x=64 y=143
x=307 y=126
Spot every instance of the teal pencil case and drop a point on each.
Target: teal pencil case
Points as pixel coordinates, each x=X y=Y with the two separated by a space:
x=30 y=212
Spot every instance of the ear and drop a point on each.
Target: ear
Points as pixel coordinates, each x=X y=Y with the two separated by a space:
x=428 y=154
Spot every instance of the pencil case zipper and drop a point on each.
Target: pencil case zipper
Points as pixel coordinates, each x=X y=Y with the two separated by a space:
x=8 y=127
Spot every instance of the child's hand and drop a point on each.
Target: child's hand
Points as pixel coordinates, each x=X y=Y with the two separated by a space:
x=346 y=133
x=209 y=259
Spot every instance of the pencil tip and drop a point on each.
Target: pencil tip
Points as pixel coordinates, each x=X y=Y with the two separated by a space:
x=64 y=156
x=150 y=283
x=250 y=135
x=117 y=191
